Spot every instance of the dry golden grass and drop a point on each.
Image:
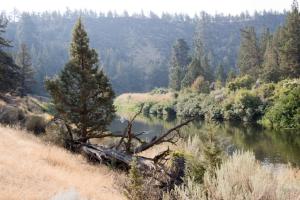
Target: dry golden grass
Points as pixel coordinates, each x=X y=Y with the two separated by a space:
x=29 y=169
x=144 y=97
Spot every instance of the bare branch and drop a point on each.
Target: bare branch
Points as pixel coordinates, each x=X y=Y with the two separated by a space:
x=160 y=139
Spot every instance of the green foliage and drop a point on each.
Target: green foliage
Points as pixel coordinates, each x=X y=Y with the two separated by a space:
x=271 y=71
x=245 y=106
x=9 y=71
x=189 y=105
x=289 y=44
x=36 y=124
x=23 y=60
x=82 y=94
x=179 y=62
x=200 y=85
x=249 y=60
x=134 y=186
x=241 y=82
x=285 y=111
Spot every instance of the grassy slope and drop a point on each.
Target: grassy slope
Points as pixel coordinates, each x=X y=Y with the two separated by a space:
x=30 y=169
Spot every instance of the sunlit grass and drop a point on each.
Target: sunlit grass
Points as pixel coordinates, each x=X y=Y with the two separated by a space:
x=31 y=169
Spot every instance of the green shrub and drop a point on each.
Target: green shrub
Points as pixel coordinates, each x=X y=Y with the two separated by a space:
x=243 y=105
x=200 y=85
x=285 y=112
x=11 y=115
x=133 y=189
x=245 y=82
x=36 y=123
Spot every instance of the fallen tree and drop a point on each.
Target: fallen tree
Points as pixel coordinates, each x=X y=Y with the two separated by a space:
x=128 y=147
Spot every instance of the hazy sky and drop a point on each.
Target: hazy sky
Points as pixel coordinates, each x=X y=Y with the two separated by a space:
x=158 y=6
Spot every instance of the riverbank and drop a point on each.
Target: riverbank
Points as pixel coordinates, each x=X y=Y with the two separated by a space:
x=273 y=105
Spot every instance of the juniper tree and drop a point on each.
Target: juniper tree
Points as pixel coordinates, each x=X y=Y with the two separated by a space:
x=23 y=60
x=82 y=94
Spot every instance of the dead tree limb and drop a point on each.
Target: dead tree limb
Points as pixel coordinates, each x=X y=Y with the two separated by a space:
x=161 y=138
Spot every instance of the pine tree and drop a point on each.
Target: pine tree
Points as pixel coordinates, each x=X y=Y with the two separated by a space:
x=82 y=94
x=193 y=71
x=290 y=43
x=231 y=75
x=249 y=60
x=175 y=76
x=221 y=75
x=23 y=60
x=9 y=71
x=271 y=71
x=264 y=39
x=178 y=63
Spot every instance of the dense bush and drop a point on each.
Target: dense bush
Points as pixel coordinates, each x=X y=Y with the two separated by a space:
x=285 y=111
x=243 y=105
x=189 y=104
x=11 y=115
x=36 y=123
x=200 y=85
x=245 y=82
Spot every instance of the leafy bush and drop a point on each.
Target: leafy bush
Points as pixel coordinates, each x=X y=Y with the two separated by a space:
x=189 y=105
x=36 y=123
x=285 y=112
x=245 y=82
x=243 y=105
x=11 y=115
x=200 y=85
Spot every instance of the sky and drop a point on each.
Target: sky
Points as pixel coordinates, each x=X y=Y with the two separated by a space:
x=189 y=7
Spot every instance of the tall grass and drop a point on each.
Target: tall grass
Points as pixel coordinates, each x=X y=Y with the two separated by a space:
x=31 y=169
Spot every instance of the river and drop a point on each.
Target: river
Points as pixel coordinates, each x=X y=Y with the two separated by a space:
x=269 y=146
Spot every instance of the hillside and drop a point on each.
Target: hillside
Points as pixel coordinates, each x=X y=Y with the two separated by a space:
x=132 y=49
x=30 y=169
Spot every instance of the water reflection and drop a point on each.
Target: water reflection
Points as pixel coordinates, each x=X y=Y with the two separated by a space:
x=269 y=146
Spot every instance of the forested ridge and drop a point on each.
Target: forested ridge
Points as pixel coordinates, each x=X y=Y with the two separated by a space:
x=134 y=50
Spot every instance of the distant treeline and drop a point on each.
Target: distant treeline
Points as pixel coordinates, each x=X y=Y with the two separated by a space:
x=134 y=50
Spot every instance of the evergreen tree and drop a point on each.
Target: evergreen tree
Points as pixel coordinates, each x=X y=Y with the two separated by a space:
x=82 y=94
x=231 y=75
x=193 y=71
x=271 y=71
x=9 y=71
x=178 y=63
x=221 y=75
x=264 y=39
x=290 y=43
x=249 y=60
x=175 y=76
x=23 y=60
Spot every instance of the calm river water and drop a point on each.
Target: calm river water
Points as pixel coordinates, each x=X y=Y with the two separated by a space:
x=269 y=146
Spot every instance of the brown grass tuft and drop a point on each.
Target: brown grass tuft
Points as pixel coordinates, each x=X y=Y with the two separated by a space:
x=30 y=169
